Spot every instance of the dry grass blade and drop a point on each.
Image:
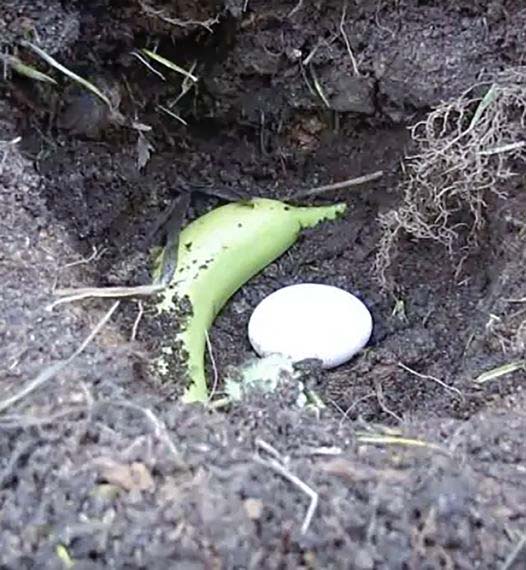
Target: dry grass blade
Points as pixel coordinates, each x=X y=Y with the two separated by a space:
x=63 y=554
x=487 y=100
x=12 y=142
x=296 y=8
x=70 y=295
x=402 y=441
x=186 y=86
x=137 y=321
x=514 y=554
x=172 y=114
x=500 y=371
x=145 y=62
x=318 y=88
x=169 y=64
x=54 y=63
x=27 y=70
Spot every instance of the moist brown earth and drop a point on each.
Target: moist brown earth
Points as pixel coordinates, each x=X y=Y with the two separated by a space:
x=414 y=465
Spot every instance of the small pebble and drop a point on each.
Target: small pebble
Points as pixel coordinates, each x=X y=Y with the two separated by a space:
x=311 y=321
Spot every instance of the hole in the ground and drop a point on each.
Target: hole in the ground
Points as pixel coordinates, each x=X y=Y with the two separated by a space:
x=420 y=357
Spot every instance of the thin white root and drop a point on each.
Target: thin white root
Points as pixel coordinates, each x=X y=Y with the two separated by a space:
x=347 y=42
x=433 y=378
x=359 y=180
x=278 y=467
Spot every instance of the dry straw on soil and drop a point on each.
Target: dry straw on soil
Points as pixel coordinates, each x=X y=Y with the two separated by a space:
x=465 y=150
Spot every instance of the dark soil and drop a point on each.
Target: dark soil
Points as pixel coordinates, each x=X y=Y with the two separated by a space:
x=100 y=467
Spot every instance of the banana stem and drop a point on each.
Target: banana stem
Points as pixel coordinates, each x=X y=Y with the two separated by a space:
x=310 y=216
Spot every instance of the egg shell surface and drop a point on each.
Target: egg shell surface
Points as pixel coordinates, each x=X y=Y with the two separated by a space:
x=311 y=320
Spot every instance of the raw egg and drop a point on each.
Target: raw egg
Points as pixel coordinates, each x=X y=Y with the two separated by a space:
x=311 y=321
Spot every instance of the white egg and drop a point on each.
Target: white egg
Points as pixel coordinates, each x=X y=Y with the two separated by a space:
x=310 y=321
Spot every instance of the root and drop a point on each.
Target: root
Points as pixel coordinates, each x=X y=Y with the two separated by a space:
x=465 y=151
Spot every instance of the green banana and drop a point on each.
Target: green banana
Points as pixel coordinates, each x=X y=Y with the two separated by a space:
x=217 y=253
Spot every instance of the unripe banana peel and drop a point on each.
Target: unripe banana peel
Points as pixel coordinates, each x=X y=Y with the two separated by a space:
x=217 y=254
